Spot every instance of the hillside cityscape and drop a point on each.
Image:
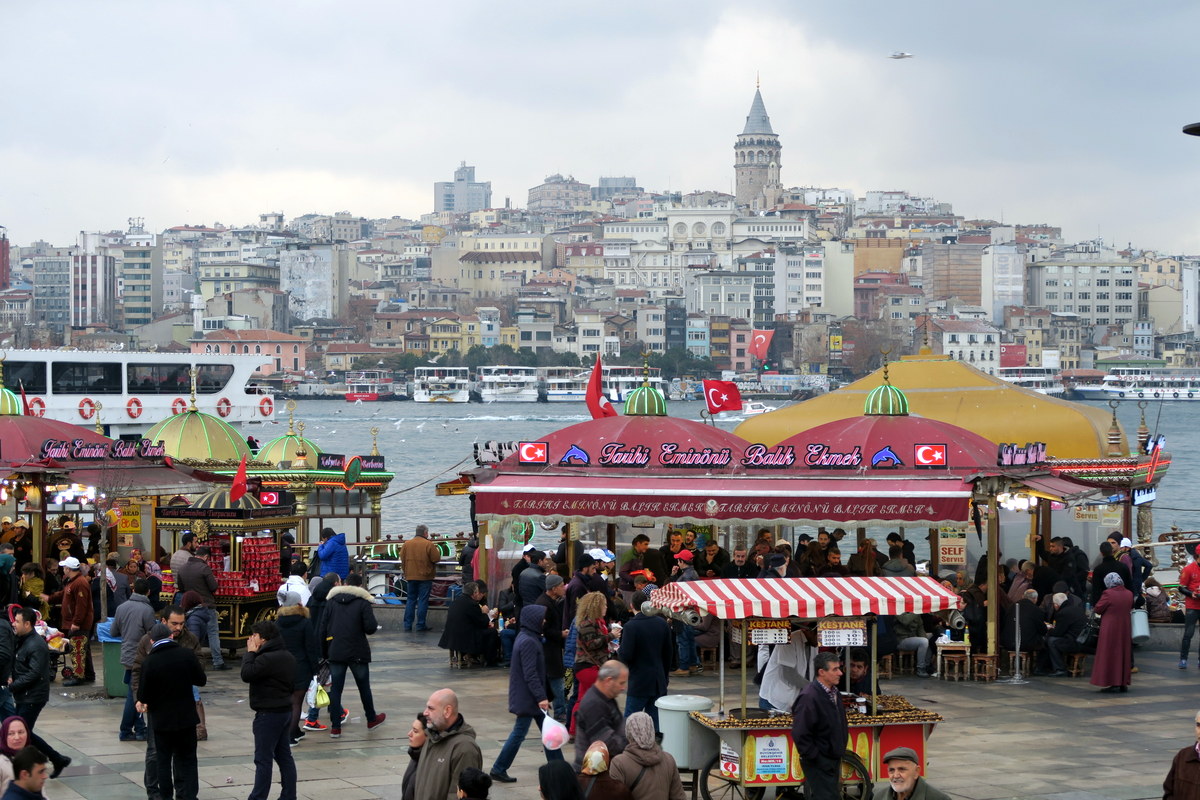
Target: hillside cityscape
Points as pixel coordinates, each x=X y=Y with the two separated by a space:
x=616 y=270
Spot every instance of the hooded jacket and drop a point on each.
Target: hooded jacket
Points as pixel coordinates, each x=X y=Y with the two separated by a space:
x=443 y=758
x=300 y=639
x=131 y=622
x=660 y=781
x=527 y=678
x=334 y=556
x=349 y=620
x=269 y=673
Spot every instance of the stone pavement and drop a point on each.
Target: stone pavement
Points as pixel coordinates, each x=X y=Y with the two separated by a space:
x=1053 y=738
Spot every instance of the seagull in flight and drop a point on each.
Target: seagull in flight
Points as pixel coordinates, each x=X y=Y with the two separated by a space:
x=898 y=55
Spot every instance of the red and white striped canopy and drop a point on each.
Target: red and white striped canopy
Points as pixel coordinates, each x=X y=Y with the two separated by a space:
x=807 y=598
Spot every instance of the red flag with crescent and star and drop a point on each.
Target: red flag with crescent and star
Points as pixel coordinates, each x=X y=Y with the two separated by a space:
x=597 y=403
x=760 y=343
x=722 y=396
x=238 y=489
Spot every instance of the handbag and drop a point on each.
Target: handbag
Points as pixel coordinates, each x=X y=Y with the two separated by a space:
x=1090 y=635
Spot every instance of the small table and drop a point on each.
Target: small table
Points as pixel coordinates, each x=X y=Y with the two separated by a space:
x=952 y=647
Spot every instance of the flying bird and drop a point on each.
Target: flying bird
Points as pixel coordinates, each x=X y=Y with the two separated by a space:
x=898 y=55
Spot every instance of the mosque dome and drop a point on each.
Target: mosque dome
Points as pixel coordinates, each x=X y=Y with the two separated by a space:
x=198 y=436
x=646 y=401
x=940 y=388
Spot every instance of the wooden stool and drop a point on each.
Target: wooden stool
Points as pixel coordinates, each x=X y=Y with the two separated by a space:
x=906 y=661
x=983 y=667
x=885 y=667
x=708 y=658
x=954 y=666
x=1026 y=663
x=1075 y=664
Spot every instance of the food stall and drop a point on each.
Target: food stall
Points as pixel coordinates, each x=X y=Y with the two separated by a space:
x=244 y=538
x=752 y=749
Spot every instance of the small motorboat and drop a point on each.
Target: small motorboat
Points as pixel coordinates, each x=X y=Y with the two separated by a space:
x=753 y=409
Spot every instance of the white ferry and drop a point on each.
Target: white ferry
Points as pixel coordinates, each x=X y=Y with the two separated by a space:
x=128 y=392
x=506 y=384
x=565 y=384
x=369 y=386
x=617 y=382
x=1151 y=383
x=1043 y=380
x=1084 y=384
x=441 y=385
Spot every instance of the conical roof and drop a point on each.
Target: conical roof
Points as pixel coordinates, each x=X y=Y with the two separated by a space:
x=200 y=437
x=757 y=120
x=938 y=387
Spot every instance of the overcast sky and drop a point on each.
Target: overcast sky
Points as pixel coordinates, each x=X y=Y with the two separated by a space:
x=1067 y=113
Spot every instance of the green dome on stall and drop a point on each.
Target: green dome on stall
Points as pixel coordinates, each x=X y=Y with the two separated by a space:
x=219 y=499
x=646 y=401
x=200 y=437
x=887 y=401
x=10 y=404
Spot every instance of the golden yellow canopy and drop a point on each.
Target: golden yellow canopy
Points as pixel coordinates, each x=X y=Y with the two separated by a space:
x=196 y=435
x=941 y=388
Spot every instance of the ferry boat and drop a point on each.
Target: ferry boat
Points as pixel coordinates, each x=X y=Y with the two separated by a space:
x=441 y=385
x=128 y=392
x=617 y=382
x=1043 y=380
x=369 y=386
x=1084 y=384
x=1151 y=383
x=565 y=384
x=507 y=384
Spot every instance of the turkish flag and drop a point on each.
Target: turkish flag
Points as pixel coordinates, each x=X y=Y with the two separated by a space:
x=25 y=402
x=239 y=483
x=597 y=403
x=929 y=455
x=722 y=396
x=760 y=343
x=533 y=453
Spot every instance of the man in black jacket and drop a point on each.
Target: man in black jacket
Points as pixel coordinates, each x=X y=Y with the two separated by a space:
x=270 y=670
x=646 y=648
x=30 y=685
x=554 y=636
x=1108 y=564
x=598 y=718
x=165 y=693
x=347 y=622
x=1069 y=621
x=819 y=728
x=468 y=629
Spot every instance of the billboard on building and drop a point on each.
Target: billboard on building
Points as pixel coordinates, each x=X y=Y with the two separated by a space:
x=1012 y=355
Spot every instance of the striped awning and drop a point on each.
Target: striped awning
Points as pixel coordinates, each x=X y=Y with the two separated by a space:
x=807 y=598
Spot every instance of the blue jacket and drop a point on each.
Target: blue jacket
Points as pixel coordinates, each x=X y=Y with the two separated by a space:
x=334 y=556
x=527 y=677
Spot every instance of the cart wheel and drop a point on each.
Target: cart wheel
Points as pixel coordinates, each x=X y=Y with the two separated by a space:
x=68 y=673
x=715 y=787
x=856 y=778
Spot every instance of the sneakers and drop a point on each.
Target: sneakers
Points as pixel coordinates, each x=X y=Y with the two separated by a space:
x=696 y=670
x=503 y=777
x=1183 y=663
x=294 y=742
x=375 y=723
x=335 y=733
x=313 y=726
x=346 y=714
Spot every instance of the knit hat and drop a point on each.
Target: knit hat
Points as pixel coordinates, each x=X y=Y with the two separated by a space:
x=553 y=580
x=639 y=730
x=585 y=561
x=292 y=599
x=159 y=632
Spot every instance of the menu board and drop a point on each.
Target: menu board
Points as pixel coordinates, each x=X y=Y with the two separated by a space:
x=770 y=631
x=842 y=632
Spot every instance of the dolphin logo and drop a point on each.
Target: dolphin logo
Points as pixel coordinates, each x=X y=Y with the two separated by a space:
x=577 y=454
x=886 y=458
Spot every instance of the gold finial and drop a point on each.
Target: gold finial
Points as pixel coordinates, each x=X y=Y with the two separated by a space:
x=193 y=372
x=757 y=80
x=301 y=461
x=645 y=369
x=291 y=409
x=99 y=408
x=1116 y=448
x=1143 y=432
x=3 y=356
x=886 y=351
x=374 y=441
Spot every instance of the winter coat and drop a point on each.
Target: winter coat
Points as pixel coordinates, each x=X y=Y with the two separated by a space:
x=1106 y=566
x=818 y=726
x=531 y=585
x=527 y=677
x=31 y=670
x=185 y=639
x=1114 y=650
x=603 y=787
x=1032 y=626
x=334 y=556
x=133 y=620
x=1183 y=780
x=349 y=620
x=660 y=781
x=646 y=648
x=598 y=719
x=300 y=638
x=420 y=558
x=168 y=675
x=408 y=784
x=316 y=603
x=443 y=758
x=197 y=622
x=466 y=627
x=552 y=635
x=297 y=584
x=76 y=598
x=591 y=643
x=1069 y=621
x=270 y=674
x=897 y=568
x=197 y=576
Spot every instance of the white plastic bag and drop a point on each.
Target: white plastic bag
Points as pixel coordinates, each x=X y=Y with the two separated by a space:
x=554 y=733
x=310 y=697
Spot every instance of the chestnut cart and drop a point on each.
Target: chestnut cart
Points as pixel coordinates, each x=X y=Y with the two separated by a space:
x=752 y=752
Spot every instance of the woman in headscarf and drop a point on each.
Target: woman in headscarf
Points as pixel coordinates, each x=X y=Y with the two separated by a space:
x=1114 y=651
x=14 y=734
x=556 y=780
x=416 y=740
x=594 y=779
x=643 y=767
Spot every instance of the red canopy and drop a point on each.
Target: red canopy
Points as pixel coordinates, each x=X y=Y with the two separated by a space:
x=808 y=598
x=762 y=499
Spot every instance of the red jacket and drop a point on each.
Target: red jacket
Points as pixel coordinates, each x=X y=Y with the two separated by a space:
x=1189 y=579
x=77 y=611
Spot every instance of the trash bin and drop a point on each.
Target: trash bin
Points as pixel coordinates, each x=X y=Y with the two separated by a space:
x=114 y=673
x=691 y=745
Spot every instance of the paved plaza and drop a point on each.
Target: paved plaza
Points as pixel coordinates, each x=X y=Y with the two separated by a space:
x=1053 y=738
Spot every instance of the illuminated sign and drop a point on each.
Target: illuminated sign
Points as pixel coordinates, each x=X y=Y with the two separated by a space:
x=1144 y=494
x=533 y=453
x=576 y=455
x=1009 y=455
x=759 y=455
x=821 y=455
x=269 y=498
x=886 y=458
x=117 y=450
x=929 y=455
x=331 y=461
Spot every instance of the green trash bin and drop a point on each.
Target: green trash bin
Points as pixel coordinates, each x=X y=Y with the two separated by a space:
x=114 y=673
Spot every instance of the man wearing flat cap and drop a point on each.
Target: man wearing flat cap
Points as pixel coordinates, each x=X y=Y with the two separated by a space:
x=904 y=781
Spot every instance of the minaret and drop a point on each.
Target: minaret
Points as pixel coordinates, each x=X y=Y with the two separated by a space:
x=756 y=156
